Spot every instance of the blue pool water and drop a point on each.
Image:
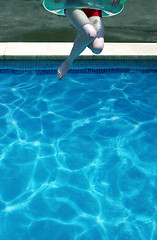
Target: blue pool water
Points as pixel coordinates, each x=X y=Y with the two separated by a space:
x=78 y=157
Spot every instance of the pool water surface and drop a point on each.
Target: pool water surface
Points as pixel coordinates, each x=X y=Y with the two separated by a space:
x=78 y=157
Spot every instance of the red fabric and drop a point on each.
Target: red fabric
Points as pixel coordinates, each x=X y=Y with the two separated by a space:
x=91 y=12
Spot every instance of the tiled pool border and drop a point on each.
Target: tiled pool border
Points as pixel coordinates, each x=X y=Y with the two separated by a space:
x=59 y=51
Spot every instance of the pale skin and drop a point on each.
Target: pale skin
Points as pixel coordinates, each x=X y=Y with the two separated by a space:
x=90 y=35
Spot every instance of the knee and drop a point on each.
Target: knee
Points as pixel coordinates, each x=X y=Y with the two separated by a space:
x=97 y=47
x=97 y=50
x=89 y=32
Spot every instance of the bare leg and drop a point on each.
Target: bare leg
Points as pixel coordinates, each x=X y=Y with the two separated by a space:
x=80 y=43
x=98 y=44
x=86 y=35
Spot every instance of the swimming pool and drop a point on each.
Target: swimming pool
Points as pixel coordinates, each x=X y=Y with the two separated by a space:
x=78 y=157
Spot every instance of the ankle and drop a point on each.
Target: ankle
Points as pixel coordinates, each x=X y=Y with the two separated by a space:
x=68 y=61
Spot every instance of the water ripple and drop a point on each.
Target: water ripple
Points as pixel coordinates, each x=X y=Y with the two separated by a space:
x=78 y=157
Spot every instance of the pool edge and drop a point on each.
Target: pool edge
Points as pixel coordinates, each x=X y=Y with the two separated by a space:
x=59 y=51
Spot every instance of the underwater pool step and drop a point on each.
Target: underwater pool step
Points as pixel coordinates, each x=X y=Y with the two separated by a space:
x=59 y=51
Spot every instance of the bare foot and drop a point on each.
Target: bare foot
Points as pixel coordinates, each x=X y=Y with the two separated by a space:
x=63 y=69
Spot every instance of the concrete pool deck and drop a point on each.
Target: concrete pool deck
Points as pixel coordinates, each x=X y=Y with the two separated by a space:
x=60 y=50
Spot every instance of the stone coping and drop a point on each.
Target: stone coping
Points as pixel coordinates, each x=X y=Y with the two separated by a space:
x=60 y=50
